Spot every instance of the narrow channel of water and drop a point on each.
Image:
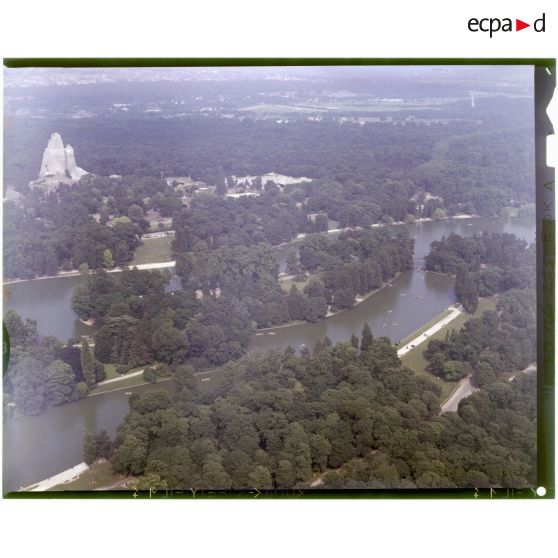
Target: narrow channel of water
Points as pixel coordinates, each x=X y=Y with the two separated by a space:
x=408 y=302
x=425 y=233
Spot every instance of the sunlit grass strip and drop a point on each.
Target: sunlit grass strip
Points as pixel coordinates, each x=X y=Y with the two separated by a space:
x=414 y=358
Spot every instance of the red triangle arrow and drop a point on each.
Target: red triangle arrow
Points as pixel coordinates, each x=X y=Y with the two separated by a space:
x=519 y=25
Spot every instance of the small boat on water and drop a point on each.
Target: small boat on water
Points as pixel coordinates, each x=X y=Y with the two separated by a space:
x=389 y=311
x=127 y=393
x=259 y=333
x=272 y=333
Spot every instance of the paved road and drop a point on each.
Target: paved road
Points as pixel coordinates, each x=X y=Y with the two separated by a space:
x=148 y=266
x=424 y=336
x=464 y=389
x=531 y=368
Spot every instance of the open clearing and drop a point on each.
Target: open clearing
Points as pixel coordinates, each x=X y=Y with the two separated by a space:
x=153 y=250
x=288 y=283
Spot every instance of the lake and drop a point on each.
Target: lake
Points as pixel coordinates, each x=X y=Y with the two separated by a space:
x=38 y=447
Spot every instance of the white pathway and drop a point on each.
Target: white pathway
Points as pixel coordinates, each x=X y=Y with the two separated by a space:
x=120 y=378
x=455 y=311
x=75 y=272
x=466 y=388
x=60 y=478
x=531 y=368
x=159 y=265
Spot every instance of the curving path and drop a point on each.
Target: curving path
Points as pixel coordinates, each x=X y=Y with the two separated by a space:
x=464 y=389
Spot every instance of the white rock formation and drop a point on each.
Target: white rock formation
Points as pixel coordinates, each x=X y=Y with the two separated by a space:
x=59 y=161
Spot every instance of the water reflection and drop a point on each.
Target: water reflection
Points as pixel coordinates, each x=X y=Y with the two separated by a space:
x=410 y=300
x=38 y=447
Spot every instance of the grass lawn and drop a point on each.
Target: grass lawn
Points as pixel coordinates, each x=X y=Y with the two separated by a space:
x=98 y=476
x=154 y=250
x=416 y=362
x=286 y=285
x=110 y=372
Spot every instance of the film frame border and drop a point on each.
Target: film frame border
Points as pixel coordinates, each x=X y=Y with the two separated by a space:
x=544 y=70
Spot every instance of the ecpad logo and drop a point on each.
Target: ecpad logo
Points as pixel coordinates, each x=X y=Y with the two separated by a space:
x=494 y=24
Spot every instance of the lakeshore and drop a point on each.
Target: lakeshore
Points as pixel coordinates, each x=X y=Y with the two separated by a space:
x=77 y=273
x=74 y=478
x=172 y=263
x=53 y=440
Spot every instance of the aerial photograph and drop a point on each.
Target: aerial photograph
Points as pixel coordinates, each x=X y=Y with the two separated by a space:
x=269 y=278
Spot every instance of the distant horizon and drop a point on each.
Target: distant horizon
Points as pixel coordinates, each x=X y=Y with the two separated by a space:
x=19 y=77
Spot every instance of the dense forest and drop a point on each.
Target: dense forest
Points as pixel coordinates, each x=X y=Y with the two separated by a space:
x=207 y=147
x=43 y=372
x=354 y=264
x=361 y=175
x=349 y=415
x=97 y=224
x=490 y=347
x=454 y=151
x=227 y=292
x=272 y=217
x=353 y=416
x=485 y=264
x=139 y=322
